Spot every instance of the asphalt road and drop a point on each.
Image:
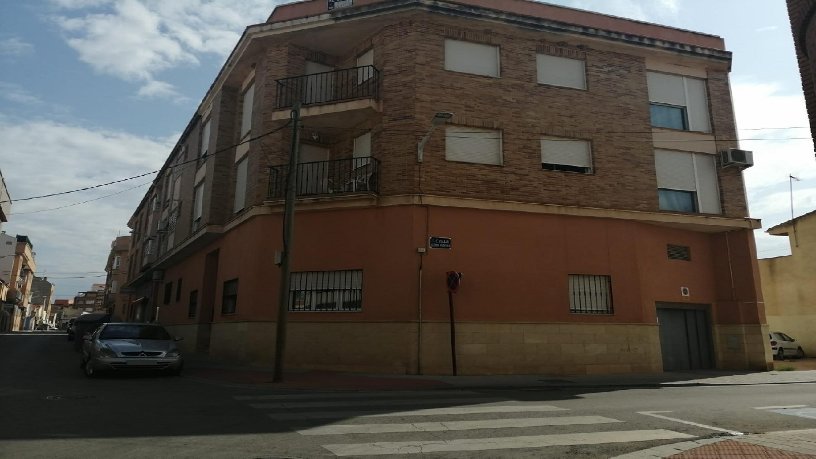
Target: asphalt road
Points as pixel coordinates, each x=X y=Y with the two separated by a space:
x=49 y=409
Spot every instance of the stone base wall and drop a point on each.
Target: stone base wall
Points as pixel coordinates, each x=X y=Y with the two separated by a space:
x=742 y=347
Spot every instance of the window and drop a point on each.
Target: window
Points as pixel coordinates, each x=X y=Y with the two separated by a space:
x=678 y=102
x=365 y=60
x=326 y=291
x=114 y=288
x=678 y=252
x=473 y=145
x=117 y=260
x=687 y=182
x=240 y=185
x=229 y=299
x=178 y=290
x=246 y=116
x=205 y=139
x=475 y=58
x=192 y=306
x=168 y=292
x=568 y=155
x=561 y=71
x=362 y=150
x=590 y=294
x=176 y=189
x=198 y=205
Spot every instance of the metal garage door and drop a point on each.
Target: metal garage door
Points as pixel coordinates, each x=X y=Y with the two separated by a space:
x=685 y=338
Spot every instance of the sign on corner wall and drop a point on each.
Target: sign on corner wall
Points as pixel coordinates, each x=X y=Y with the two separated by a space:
x=335 y=4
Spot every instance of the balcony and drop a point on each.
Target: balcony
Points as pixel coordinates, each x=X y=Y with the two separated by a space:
x=337 y=98
x=326 y=178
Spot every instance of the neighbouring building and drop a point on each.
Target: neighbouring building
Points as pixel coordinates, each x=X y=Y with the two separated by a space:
x=65 y=310
x=803 y=27
x=5 y=203
x=579 y=169
x=17 y=268
x=42 y=295
x=117 y=301
x=787 y=282
x=92 y=300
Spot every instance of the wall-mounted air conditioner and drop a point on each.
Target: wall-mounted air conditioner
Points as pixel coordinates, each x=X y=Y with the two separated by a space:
x=734 y=157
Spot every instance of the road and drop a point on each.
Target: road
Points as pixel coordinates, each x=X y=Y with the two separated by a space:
x=49 y=409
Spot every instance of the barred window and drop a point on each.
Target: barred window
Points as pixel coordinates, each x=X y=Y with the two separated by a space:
x=678 y=252
x=590 y=294
x=192 y=306
x=326 y=291
x=229 y=299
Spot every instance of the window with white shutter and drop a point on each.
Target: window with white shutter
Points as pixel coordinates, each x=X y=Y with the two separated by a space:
x=205 y=139
x=365 y=60
x=678 y=102
x=246 y=115
x=473 y=145
x=687 y=182
x=561 y=71
x=568 y=155
x=240 y=185
x=475 y=58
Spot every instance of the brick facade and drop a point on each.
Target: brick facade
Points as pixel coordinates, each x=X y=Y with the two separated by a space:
x=802 y=15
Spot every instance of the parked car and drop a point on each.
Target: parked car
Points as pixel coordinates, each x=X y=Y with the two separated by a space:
x=783 y=346
x=120 y=346
x=69 y=329
x=85 y=324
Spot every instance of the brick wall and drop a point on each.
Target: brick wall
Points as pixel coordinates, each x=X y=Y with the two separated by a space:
x=799 y=10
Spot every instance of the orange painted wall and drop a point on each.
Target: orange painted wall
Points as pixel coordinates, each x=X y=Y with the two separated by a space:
x=515 y=266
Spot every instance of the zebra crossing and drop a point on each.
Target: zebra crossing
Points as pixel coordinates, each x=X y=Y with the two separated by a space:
x=419 y=422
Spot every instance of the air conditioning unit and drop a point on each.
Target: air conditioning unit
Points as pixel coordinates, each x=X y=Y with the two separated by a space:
x=735 y=157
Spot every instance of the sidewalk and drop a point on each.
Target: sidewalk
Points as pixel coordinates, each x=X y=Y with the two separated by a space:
x=789 y=444
x=203 y=368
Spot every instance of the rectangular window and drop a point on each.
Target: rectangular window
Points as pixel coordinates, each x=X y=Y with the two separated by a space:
x=114 y=286
x=590 y=294
x=246 y=115
x=474 y=58
x=240 y=185
x=229 y=299
x=192 y=305
x=117 y=260
x=168 y=292
x=561 y=71
x=687 y=182
x=568 y=155
x=178 y=290
x=678 y=102
x=205 y=139
x=362 y=150
x=326 y=291
x=198 y=205
x=473 y=145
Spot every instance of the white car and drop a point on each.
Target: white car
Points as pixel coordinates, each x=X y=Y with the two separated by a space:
x=783 y=346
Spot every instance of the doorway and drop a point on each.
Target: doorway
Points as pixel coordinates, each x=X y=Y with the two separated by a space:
x=205 y=318
x=685 y=337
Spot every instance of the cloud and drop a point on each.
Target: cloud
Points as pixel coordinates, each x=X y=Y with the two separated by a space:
x=15 y=47
x=160 y=89
x=17 y=94
x=771 y=28
x=60 y=157
x=137 y=40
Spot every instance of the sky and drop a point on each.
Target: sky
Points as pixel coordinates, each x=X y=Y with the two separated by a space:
x=92 y=91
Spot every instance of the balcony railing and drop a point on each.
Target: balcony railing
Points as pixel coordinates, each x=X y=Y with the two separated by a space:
x=339 y=176
x=329 y=87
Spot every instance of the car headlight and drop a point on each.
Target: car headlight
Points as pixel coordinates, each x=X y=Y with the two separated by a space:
x=173 y=353
x=106 y=352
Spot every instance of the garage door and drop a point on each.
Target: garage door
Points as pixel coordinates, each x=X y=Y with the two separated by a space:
x=685 y=339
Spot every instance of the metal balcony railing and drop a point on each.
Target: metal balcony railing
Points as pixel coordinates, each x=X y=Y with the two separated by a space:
x=329 y=87
x=339 y=176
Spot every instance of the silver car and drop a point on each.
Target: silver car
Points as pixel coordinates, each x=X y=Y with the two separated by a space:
x=783 y=346
x=130 y=346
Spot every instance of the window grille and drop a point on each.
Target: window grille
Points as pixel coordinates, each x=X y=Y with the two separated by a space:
x=590 y=294
x=326 y=291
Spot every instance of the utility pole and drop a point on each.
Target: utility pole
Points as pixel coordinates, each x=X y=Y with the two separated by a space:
x=288 y=237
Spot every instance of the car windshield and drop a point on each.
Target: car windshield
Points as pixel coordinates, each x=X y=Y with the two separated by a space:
x=134 y=332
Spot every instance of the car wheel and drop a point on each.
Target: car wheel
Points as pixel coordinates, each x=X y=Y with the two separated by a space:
x=800 y=353
x=90 y=371
x=780 y=354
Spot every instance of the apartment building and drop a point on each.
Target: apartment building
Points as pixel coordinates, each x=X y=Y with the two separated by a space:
x=17 y=268
x=92 y=300
x=42 y=295
x=803 y=27
x=578 y=169
x=5 y=203
x=116 y=300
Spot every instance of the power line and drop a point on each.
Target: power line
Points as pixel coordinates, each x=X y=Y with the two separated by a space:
x=195 y=160
x=83 y=202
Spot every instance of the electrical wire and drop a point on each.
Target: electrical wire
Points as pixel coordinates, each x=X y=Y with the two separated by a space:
x=195 y=160
x=84 y=202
